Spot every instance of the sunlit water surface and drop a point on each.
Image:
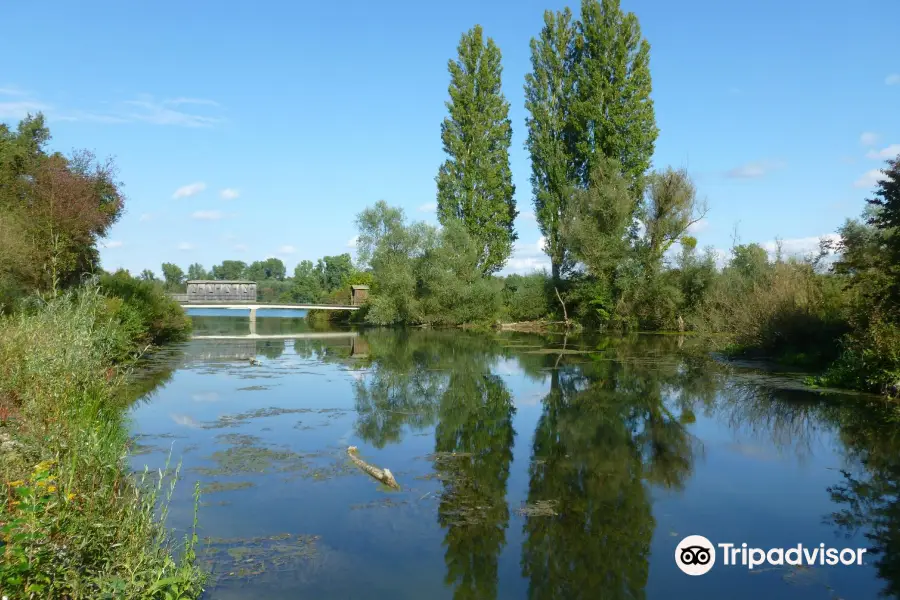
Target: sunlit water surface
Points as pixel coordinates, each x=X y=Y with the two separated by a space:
x=531 y=466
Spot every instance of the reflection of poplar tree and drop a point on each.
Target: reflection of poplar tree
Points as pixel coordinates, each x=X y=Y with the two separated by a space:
x=593 y=450
x=475 y=423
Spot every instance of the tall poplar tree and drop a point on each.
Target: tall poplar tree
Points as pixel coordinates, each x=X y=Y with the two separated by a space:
x=475 y=182
x=548 y=96
x=613 y=113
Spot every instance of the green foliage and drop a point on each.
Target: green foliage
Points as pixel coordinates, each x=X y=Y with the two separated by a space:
x=549 y=93
x=75 y=522
x=422 y=275
x=526 y=297
x=53 y=211
x=669 y=207
x=265 y=270
x=197 y=272
x=335 y=271
x=598 y=220
x=475 y=182
x=612 y=115
x=229 y=270
x=307 y=285
x=174 y=277
x=145 y=311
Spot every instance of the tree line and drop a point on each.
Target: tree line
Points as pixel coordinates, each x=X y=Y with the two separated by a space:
x=327 y=280
x=617 y=233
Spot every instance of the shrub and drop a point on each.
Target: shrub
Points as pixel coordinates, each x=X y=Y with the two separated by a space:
x=145 y=306
x=791 y=311
x=75 y=523
x=527 y=297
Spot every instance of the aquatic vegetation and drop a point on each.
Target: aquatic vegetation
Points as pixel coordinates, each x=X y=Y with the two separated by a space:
x=225 y=486
x=247 y=557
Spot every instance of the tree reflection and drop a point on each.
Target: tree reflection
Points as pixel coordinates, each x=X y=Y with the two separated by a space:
x=473 y=442
x=607 y=430
x=869 y=496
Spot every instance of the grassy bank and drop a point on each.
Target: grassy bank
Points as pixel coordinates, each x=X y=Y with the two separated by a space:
x=74 y=520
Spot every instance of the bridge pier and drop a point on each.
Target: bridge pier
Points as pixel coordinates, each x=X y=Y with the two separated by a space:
x=253 y=315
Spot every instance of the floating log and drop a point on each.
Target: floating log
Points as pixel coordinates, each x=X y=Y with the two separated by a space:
x=383 y=475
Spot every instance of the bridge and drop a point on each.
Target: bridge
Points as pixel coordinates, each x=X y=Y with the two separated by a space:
x=253 y=307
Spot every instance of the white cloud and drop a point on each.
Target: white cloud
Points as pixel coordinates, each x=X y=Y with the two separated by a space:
x=699 y=226
x=527 y=258
x=754 y=170
x=890 y=152
x=229 y=193
x=191 y=189
x=528 y=216
x=12 y=90
x=286 y=249
x=351 y=243
x=18 y=110
x=198 y=101
x=205 y=397
x=240 y=247
x=146 y=217
x=148 y=110
x=185 y=246
x=734 y=91
x=869 y=138
x=112 y=244
x=428 y=207
x=869 y=179
x=799 y=246
x=208 y=215
x=892 y=79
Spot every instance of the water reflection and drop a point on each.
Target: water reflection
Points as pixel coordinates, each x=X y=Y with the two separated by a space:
x=606 y=428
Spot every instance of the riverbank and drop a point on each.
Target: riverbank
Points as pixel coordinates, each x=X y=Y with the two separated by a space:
x=74 y=520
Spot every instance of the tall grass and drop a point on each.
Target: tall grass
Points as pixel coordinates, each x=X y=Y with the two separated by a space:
x=74 y=521
x=789 y=313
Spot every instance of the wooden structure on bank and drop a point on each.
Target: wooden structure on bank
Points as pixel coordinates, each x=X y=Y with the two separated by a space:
x=358 y=294
x=205 y=291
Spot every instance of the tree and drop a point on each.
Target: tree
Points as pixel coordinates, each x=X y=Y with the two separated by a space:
x=598 y=218
x=147 y=275
x=229 y=270
x=334 y=271
x=173 y=275
x=670 y=207
x=390 y=247
x=271 y=268
x=612 y=114
x=54 y=209
x=885 y=217
x=307 y=285
x=475 y=182
x=549 y=90
x=197 y=272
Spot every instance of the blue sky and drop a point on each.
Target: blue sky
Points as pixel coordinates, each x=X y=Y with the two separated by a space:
x=253 y=129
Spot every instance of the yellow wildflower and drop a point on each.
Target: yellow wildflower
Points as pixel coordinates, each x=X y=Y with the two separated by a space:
x=16 y=483
x=51 y=489
x=41 y=483
x=70 y=496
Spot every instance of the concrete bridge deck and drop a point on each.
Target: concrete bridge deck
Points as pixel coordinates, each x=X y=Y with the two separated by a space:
x=255 y=306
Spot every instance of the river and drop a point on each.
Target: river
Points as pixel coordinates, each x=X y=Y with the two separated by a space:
x=530 y=466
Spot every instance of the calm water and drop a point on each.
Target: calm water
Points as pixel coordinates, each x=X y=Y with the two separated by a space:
x=531 y=467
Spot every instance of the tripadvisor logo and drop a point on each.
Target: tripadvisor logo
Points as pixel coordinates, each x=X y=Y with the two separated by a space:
x=696 y=555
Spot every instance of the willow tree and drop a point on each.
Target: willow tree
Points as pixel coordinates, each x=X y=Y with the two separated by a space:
x=475 y=182
x=548 y=96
